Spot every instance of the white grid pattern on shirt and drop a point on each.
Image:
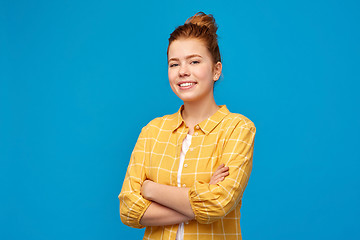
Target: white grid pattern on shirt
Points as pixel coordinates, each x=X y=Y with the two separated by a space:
x=223 y=138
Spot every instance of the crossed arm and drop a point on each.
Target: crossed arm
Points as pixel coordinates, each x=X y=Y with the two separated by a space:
x=145 y=203
x=171 y=205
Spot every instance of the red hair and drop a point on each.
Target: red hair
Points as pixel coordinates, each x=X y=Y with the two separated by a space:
x=200 y=26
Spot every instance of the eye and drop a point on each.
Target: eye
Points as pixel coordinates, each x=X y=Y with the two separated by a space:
x=195 y=62
x=173 y=65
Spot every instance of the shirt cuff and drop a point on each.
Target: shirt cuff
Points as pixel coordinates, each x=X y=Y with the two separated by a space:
x=142 y=214
x=201 y=205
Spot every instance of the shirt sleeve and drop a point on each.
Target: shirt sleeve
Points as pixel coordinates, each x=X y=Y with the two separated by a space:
x=212 y=202
x=132 y=204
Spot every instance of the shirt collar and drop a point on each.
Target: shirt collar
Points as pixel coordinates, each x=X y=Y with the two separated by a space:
x=207 y=125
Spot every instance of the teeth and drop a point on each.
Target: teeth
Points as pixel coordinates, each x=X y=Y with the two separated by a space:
x=186 y=84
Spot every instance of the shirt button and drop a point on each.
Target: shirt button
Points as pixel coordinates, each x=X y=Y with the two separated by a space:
x=186 y=222
x=197 y=127
x=184 y=185
x=196 y=134
x=185 y=165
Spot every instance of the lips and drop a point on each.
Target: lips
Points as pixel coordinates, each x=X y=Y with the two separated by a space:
x=186 y=84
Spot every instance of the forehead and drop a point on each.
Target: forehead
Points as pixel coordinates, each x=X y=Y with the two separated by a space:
x=184 y=47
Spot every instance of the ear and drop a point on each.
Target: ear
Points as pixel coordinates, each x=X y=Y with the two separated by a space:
x=217 y=71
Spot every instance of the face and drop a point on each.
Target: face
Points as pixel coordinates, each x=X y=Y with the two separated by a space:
x=191 y=70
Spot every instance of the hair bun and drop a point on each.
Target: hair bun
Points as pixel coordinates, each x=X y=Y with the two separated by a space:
x=200 y=26
x=203 y=19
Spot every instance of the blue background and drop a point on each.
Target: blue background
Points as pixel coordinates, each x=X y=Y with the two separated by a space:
x=79 y=79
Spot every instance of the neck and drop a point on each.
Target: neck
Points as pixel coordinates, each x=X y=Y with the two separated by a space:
x=196 y=112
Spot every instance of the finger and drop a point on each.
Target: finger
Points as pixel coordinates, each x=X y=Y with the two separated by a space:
x=219 y=180
x=220 y=166
x=220 y=169
x=222 y=175
x=224 y=169
x=215 y=177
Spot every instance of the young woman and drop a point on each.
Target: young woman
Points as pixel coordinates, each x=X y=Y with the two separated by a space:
x=188 y=170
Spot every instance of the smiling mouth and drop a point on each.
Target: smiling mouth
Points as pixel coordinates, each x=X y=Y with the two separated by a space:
x=187 y=84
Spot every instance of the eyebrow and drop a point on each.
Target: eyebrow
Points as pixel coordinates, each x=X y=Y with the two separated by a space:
x=187 y=57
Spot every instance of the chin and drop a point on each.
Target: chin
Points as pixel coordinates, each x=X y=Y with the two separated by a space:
x=188 y=99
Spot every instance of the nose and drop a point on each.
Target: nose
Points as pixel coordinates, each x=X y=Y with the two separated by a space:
x=183 y=70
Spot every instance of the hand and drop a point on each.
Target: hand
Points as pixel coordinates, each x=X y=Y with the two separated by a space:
x=220 y=174
x=146 y=189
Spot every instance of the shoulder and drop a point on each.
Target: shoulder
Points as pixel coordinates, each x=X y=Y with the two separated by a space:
x=236 y=126
x=238 y=120
x=161 y=123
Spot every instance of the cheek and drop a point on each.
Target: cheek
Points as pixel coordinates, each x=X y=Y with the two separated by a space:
x=204 y=73
x=172 y=79
x=171 y=76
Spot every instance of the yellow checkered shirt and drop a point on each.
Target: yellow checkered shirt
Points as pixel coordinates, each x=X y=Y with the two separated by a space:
x=223 y=138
